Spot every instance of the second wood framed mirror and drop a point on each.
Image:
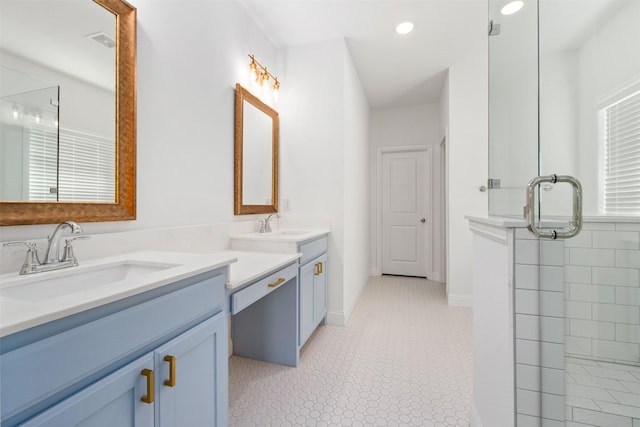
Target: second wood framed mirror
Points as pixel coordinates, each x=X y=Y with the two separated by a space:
x=256 y=155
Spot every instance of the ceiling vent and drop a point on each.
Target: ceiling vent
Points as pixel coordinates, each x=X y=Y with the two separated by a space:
x=102 y=39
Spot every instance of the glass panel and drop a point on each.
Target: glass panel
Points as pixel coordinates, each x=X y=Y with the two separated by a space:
x=513 y=106
x=28 y=138
x=563 y=79
x=588 y=61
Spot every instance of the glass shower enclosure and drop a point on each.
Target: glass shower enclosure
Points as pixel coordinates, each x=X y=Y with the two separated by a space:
x=564 y=95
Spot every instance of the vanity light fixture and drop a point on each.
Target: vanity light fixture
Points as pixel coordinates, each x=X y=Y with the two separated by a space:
x=512 y=7
x=260 y=75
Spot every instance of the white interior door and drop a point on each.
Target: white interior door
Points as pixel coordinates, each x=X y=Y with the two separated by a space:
x=406 y=208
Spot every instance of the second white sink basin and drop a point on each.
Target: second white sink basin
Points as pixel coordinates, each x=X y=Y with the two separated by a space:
x=43 y=286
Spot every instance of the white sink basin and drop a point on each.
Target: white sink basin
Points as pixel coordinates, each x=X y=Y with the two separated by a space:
x=72 y=280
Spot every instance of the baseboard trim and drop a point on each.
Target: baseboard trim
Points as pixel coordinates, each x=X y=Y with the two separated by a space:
x=375 y=271
x=353 y=304
x=460 y=300
x=336 y=318
x=474 y=416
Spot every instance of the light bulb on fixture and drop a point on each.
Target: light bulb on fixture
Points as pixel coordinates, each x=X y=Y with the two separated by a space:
x=253 y=72
x=276 y=90
x=37 y=118
x=14 y=112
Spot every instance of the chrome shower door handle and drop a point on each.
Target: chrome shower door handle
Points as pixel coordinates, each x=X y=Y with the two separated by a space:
x=530 y=208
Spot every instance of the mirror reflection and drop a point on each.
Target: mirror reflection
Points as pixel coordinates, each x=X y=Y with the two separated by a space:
x=256 y=155
x=57 y=102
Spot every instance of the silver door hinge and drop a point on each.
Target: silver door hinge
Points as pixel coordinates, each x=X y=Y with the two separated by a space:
x=493 y=183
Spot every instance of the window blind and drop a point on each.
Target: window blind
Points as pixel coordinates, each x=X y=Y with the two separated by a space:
x=87 y=167
x=43 y=164
x=84 y=163
x=621 y=178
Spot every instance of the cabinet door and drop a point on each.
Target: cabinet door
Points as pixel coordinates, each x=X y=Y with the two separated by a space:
x=192 y=380
x=320 y=289
x=113 y=401
x=306 y=305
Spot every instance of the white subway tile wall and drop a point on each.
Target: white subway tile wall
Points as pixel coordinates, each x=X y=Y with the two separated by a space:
x=540 y=331
x=602 y=274
x=599 y=356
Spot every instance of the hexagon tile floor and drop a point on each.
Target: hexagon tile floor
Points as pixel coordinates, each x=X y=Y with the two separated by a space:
x=404 y=359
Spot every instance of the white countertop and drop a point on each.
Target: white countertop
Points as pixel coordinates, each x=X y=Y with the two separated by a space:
x=284 y=235
x=253 y=265
x=508 y=222
x=20 y=310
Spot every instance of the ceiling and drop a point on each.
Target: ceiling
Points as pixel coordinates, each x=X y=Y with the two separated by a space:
x=406 y=70
x=394 y=70
x=38 y=30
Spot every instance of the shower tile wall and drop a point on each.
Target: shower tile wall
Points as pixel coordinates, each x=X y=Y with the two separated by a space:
x=602 y=277
x=539 y=330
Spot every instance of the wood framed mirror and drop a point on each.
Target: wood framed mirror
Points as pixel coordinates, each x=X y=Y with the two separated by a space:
x=123 y=207
x=256 y=155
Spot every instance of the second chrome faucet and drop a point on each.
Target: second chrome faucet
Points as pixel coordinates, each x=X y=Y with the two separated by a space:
x=265 y=224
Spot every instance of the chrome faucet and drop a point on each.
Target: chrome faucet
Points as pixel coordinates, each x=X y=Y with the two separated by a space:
x=53 y=250
x=52 y=260
x=265 y=224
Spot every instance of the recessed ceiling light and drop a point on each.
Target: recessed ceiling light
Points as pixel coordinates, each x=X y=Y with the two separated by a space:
x=404 y=27
x=512 y=7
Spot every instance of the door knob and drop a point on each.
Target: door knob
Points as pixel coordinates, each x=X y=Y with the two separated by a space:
x=423 y=220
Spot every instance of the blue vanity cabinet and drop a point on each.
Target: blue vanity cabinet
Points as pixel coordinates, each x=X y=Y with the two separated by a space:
x=167 y=346
x=313 y=287
x=193 y=377
x=112 y=401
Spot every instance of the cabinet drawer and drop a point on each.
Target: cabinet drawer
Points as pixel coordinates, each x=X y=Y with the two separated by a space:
x=38 y=371
x=244 y=298
x=312 y=249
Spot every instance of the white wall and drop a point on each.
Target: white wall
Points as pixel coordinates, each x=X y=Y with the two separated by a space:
x=405 y=126
x=312 y=162
x=467 y=153
x=356 y=195
x=324 y=166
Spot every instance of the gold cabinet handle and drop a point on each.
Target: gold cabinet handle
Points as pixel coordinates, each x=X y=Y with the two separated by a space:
x=171 y=382
x=318 y=268
x=321 y=267
x=277 y=283
x=149 y=397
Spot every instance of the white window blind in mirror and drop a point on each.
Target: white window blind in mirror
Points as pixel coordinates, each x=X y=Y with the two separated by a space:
x=621 y=178
x=86 y=168
x=43 y=164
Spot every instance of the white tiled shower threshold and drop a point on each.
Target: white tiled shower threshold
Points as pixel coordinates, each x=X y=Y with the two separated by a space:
x=404 y=358
x=602 y=394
